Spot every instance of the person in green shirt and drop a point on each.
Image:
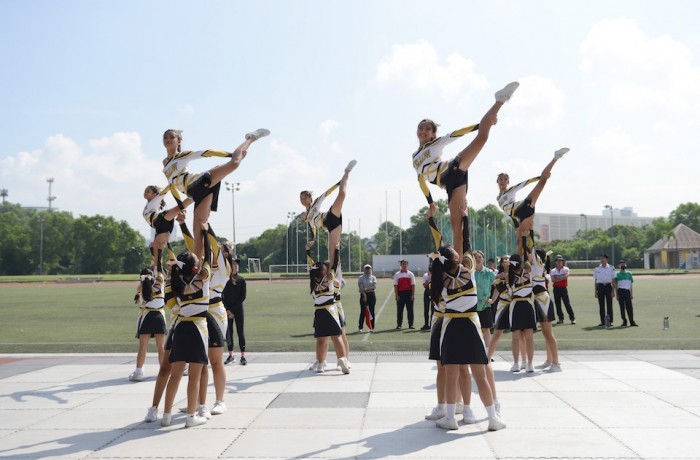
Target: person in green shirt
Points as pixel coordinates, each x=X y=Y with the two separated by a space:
x=624 y=293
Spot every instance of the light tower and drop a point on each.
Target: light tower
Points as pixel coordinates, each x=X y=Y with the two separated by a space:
x=51 y=197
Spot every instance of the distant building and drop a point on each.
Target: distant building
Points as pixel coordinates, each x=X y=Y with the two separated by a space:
x=552 y=227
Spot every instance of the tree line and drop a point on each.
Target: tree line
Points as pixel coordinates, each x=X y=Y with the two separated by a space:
x=53 y=242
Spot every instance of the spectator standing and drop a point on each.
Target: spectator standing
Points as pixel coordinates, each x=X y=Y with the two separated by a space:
x=405 y=292
x=560 y=278
x=605 y=283
x=367 y=284
x=427 y=310
x=233 y=296
x=624 y=282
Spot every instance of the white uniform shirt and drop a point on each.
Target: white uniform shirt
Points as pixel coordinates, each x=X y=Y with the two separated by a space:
x=604 y=275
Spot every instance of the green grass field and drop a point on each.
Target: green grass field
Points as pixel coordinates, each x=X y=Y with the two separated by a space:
x=101 y=317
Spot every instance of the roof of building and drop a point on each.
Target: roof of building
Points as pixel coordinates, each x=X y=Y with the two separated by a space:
x=684 y=238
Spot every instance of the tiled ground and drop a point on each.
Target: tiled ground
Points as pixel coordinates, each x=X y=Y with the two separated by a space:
x=604 y=405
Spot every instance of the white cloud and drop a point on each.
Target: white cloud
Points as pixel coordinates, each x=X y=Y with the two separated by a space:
x=537 y=104
x=328 y=126
x=186 y=109
x=639 y=71
x=418 y=67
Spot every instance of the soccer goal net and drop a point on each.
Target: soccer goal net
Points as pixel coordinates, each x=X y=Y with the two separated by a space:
x=254 y=265
x=287 y=271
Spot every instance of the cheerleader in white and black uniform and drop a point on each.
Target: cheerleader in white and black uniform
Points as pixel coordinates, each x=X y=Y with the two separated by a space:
x=160 y=219
x=523 y=320
x=331 y=220
x=203 y=188
x=452 y=175
x=190 y=282
x=151 y=320
x=461 y=341
x=326 y=318
x=501 y=297
x=545 y=308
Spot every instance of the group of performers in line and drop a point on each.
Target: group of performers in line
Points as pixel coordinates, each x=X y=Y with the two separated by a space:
x=192 y=283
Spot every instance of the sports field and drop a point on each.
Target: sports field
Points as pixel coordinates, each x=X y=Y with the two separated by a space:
x=101 y=317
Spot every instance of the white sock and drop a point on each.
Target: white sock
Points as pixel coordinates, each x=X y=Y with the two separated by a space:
x=491 y=410
x=450 y=411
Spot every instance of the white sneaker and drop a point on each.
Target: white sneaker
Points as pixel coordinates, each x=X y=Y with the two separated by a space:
x=151 y=415
x=360 y=331
x=203 y=411
x=194 y=420
x=137 y=375
x=436 y=414
x=523 y=366
x=447 y=423
x=553 y=368
x=344 y=365
x=530 y=369
x=496 y=424
x=350 y=165
x=468 y=416
x=218 y=408
x=187 y=370
x=321 y=367
x=257 y=134
x=167 y=419
x=497 y=406
x=515 y=367
x=544 y=365
x=507 y=91
x=314 y=366
x=560 y=153
x=459 y=407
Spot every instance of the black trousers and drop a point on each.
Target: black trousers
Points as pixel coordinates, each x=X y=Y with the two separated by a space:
x=427 y=311
x=624 y=298
x=238 y=320
x=562 y=294
x=371 y=302
x=404 y=301
x=604 y=301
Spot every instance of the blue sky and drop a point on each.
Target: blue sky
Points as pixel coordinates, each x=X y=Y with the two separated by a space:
x=88 y=87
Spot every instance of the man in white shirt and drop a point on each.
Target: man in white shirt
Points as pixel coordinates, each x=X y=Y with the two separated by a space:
x=604 y=289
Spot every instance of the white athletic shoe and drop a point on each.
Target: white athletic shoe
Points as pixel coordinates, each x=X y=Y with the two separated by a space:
x=321 y=368
x=553 y=368
x=194 y=420
x=496 y=424
x=151 y=415
x=218 y=408
x=497 y=406
x=560 y=153
x=203 y=411
x=257 y=134
x=530 y=369
x=314 y=366
x=468 y=416
x=447 y=423
x=544 y=365
x=350 y=165
x=186 y=372
x=436 y=414
x=459 y=407
x=523 y=366
x=515 y=367
x=137 y=375
x=167 y=419
x=344 y=365
x=507 y=92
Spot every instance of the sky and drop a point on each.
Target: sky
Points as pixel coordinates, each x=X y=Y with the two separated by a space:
x=88 y=87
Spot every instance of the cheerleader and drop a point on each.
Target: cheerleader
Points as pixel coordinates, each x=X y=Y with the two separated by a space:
x=522 y=313
x=545 y=308
x=461 y=342
x=338 y=285
x=160 y=219
x=501 y=299
x=190 y=283
x=331 y=220
x=453 y=175
x=151 y=321
x=326 y=319
x=216 y=326
x=203 y=188
x=522 y=213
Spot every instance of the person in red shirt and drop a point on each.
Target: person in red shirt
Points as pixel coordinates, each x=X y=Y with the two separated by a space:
x=405 y=291
x=560 y=277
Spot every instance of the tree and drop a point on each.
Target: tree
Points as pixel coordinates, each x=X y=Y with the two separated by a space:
x=687 y=214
